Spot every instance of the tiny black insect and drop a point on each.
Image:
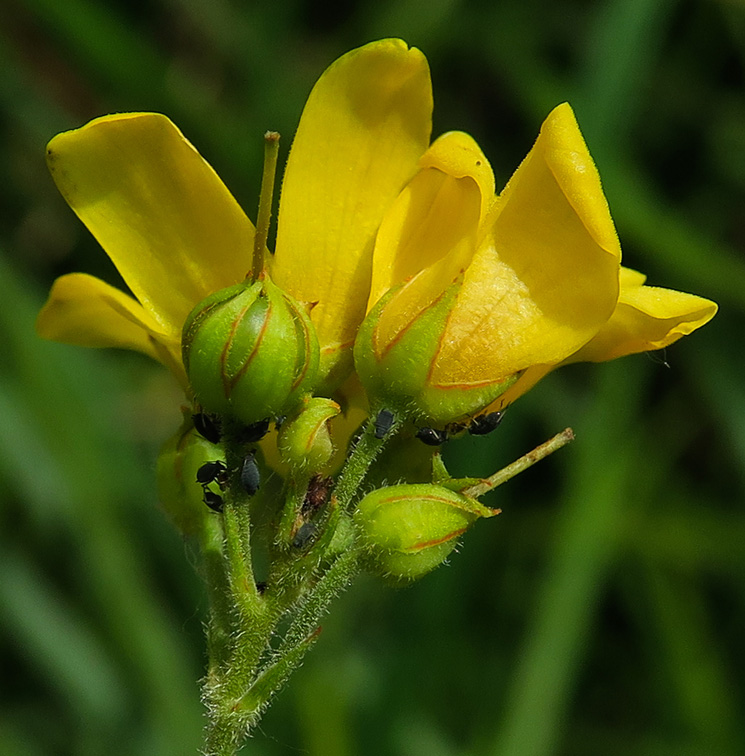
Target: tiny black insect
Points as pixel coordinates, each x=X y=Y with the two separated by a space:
x=432 y=436
x=250 y=475
x=383 y=423
x=255 y=432
x=279 y=421
x=211 y=471
x=305 y=534
x=207 y=426
x=213 y=500
x=484 y=424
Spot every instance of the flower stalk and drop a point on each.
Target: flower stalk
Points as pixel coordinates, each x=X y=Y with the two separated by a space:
x=519 y=465
x=266 y=198
x=367 y=447
x=244 y=670
x=251 y=657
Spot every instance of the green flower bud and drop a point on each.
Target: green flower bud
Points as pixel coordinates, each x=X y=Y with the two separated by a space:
x=407 y=530
x=304 y=441
x=250 y=351
x=179 y=493
x=395 y=354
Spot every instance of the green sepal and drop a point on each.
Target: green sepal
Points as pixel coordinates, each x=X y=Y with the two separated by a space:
x=442 y=477
x=461 y=484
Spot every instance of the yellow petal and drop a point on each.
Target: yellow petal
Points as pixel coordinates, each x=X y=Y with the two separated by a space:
x=436 y=211
x=458 y=155
x=157 y=208
x=364 y=127
x=628 y=278
x=522 y=385
x=545 y=277
x=85 y=311
x=646 y=318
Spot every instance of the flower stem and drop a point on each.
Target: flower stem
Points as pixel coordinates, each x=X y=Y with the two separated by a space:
x=239 y=570
x=271 y=151
x=333 y=582
x=213 y=567
x=526 y=461
x=247 y=667
x=358 y=463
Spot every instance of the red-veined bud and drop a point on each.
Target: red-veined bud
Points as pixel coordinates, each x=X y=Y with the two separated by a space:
x=395 y=354
x=250 y=351
x=304 y=441
x=407 y=530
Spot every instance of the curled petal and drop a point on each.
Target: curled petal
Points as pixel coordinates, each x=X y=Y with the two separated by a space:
x=85 y=311
x=545 y=277
x=458 y=155
x=435 y=217
x=646 y=318
x=157 y=208
x=364 y=127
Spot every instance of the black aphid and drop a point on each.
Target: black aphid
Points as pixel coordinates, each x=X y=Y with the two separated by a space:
x=484 y=424
x=211 y=471
x=207 y=426
x=432 y=436
x=213 y=500
x=250 y=475
x=305 y=534
x=255 y=432
x=383 y=423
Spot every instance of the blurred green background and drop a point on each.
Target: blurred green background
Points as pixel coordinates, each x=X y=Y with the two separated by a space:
x=603 y=612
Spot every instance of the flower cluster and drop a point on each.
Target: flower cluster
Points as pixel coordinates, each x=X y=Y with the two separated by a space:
x=398 y=269
x=470 y=296
x=403 y=293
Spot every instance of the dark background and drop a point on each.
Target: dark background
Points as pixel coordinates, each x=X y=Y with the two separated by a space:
x=603 y=612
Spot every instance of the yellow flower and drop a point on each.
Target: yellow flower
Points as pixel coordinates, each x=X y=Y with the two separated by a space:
x=475 y=297
x=176 y=234
x=368 y=210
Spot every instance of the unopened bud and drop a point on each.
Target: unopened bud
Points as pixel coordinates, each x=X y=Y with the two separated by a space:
x=250 y=351
x=396 y=351
x=180 y=492
x=407 y=530
x=305 y=441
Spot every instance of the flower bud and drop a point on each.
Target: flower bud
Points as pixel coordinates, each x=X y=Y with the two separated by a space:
x=407 y=530
x=396 y=351
x=179 y=492
x=304 y=441
x=250 y=351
